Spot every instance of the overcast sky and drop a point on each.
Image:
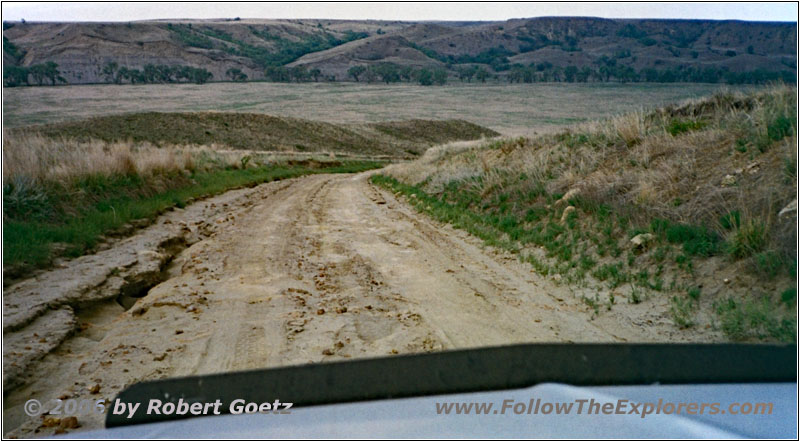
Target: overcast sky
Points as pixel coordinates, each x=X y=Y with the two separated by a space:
x=109 y=11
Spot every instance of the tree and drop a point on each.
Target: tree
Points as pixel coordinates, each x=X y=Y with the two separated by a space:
x=135 y=75
x=482 y=74
x=150 y=73
x=570 y=74
x=406 y=73
x=584 y=74
x=15 y=76
x=424 y=77
x=299 y=73
x=109 y=71
x=466 y=73
x=122 y=74
x=388 y=72
x=277 y=74
x=440 y=76
x=236 y=74
x=200 y=75
x=315 y=74
x=52 y=73
x=356 y=71
x=38 y=73
x=516 y=74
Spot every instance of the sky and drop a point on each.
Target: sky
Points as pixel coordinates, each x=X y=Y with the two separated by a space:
x=130 y=11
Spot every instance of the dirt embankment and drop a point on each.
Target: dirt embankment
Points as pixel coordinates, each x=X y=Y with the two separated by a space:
x=313 y=269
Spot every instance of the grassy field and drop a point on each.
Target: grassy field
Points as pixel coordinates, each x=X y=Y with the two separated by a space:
x=520 y=109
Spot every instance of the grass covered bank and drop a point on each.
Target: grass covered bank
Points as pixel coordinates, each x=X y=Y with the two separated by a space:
x=61 y=196
x=686 y=209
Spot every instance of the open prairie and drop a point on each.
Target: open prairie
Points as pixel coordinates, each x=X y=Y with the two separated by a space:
x=521 y=109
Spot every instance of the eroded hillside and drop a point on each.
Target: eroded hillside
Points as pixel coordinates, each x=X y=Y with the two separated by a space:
x=523 y=50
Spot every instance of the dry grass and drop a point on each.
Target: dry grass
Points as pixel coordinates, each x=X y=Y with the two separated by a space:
x=632 y=161
x=44 y=159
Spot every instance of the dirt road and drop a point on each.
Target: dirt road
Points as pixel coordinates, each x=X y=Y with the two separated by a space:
x=313 y=269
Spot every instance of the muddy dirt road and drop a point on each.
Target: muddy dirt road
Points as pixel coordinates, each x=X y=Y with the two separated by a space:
x=312 y=269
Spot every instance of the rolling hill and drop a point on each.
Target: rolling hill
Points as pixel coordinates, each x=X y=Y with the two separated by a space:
x=532 y=49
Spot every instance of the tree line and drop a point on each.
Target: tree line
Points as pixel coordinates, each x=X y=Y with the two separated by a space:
x=48 y=73
x=392 y=73
x=383 y=72
x=546 y=72
x=150 y=73
x=40 y=74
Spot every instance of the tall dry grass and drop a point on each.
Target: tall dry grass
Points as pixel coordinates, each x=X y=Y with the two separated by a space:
x=36 y=159
x=44 y=159
x=641 y=162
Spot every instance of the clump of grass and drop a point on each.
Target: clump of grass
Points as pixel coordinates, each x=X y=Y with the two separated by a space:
x=749 y=239
x=593 y=303
x=612 y=273
x=731 y=220
x=678 y=126
x=682 y=311
x=629 y=128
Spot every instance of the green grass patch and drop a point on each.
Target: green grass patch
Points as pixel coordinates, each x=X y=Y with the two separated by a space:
x=678 y=126
x=742 y=320
x=32 y=243
x=696 y=240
